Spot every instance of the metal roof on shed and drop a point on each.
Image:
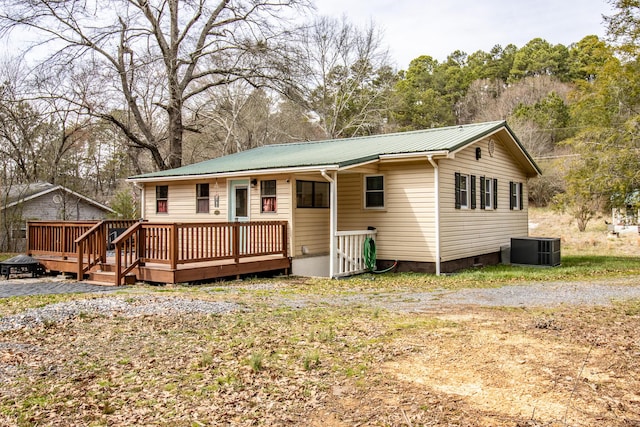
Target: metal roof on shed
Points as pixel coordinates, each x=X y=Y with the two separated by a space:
x=338 y=152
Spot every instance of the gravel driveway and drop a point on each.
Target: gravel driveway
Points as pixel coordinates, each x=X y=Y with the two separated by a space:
x=551 y=294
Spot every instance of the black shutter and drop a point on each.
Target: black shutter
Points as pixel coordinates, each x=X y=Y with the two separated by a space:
x=457 y=190
x=512 y=201
x=520 y=195
x=495 y=193
x=483 y=205
x=473 y=191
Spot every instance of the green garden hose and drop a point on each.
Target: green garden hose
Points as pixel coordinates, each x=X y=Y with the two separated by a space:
x=369 y=254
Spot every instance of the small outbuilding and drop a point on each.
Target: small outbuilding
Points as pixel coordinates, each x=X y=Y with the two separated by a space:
x=42 y=201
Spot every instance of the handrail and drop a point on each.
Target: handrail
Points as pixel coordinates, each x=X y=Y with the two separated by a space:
x=125 y=244
x=95 y=241
x=99 y=254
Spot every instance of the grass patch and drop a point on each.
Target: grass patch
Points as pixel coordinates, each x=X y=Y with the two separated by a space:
x=256 y=361
x=6 y=255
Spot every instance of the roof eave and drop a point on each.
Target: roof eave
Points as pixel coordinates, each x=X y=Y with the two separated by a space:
x=57 y=188
x=502 y=125
x=234 y=174
x=533 y=163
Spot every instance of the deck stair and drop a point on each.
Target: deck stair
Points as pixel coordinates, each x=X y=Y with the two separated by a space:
x=108 y=276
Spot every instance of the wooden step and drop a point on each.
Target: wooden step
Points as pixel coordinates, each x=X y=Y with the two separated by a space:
x=107 y=268
x=110 y=277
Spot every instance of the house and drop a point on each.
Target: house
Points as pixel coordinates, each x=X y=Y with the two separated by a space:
x=41 y=201
x=434 y=200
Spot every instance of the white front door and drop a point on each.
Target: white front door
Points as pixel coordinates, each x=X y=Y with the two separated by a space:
x=239 y=201
x=239 y=210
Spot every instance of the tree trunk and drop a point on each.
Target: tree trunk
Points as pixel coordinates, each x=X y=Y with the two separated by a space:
x=175 y=137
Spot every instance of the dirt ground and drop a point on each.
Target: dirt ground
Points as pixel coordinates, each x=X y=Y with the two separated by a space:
x=487 y=367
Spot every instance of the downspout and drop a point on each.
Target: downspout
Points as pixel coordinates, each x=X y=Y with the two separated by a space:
x=436 y=194
x=333 y=218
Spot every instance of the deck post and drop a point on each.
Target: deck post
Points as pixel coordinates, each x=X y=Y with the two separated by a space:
x=102 y=242
x=140 y=244
x=118 y=263
x=285 y=240
x=80 y=268
x=174 y=246
x=235 y=234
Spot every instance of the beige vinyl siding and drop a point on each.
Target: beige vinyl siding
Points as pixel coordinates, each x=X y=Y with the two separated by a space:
x=406 y=225
x=182 y=202
x=283 y=200
x=283 y=207
x=471 y=232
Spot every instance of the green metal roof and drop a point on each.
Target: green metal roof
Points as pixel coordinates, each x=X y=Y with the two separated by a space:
x=338 y=152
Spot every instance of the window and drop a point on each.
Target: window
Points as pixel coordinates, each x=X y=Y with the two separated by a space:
x=374 y=192
x=19 y=232
x=489 y=193
x=268 y=196
x=463 y=191
x=312 y=194
x=162 y=199
x=202 y=198
x=515 y=195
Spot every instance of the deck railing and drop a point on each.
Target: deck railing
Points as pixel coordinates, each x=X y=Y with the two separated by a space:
x=139 y=243
x=56 y=238
x=350 y=252
x=177 y=244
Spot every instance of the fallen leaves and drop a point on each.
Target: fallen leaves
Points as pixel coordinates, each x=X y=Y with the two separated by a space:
x=324 y=366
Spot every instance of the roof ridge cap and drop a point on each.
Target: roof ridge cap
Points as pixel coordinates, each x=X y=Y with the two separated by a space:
x=380 y=135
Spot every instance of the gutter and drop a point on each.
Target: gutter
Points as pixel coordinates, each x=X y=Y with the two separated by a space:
x=243 y=173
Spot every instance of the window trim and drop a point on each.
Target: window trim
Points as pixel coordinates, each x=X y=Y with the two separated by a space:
x=273 y=196
x=313 y=194
x=200 y=198
x=366 y=191
x=515 y=196
x=463 y=197
x=487 y=193
x=159 y=199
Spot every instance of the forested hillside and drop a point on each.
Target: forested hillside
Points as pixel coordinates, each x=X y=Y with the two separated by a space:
x=155 y=89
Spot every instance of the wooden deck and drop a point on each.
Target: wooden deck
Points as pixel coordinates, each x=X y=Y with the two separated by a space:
x=159 y=252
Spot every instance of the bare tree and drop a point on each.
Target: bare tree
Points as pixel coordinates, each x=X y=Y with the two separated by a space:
x=152 y=57
x=234 y=118
x=349 y=77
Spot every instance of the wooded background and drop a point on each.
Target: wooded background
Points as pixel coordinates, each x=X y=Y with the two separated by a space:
x=111 y=89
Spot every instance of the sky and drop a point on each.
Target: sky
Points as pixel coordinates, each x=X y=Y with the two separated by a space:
x=438 y=27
